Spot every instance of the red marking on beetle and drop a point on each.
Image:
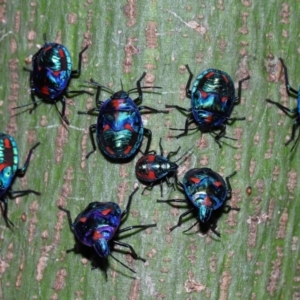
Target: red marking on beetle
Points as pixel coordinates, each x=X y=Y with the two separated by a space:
x=116 y=103
x=45 y=90
x=218 y=183
x=195 y=179
x=7 y=143
x=106 y=127
x=128 y=126
x=83 y=219
x=61 y=53
x=110 y=151
x=204 y=94
x=106 y=211
x=56 y=73
x=48 y=48
x=209 y=119
x=128 y=149
x=207 y=201
x=224 y=99
x=151 y=175
x=210 y=74
x=151 y=157
x=96 y=235
x=225 y=78
x=3 y=166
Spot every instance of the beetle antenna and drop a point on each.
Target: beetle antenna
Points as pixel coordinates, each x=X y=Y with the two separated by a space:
x=30 y=103
x=122 y=263
x=191 y=226
x=144 y=87
x=184 y=155
x=94 y=83
x=121 y=85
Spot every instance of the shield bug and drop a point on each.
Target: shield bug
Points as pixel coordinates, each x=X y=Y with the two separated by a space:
x=152 y=168
x=51 y=75
x=119 y=129
x=9 y=170
x=98 y=225
x=294 y=112
x=212 y=101
x=207 y=191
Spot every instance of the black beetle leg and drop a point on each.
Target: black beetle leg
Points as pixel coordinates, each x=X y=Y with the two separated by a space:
x=148 y=132
x=77 y=72
x=188 y=84
x=92 y=129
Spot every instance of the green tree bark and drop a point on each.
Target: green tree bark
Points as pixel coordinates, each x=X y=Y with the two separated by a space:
x=257 y=256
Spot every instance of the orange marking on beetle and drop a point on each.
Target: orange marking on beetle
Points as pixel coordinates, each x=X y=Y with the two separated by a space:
x=151 y=157
x=61 y=53
x=128 y=126
x=224 y=99
x=204 y=94
x=128 y=149
x=210 y=74
x=208 y=119
x=106 y=127
x=106 y=211
x=109 y=151
x=45 y=90
x=207 y=202
x=83 y=219
x=96 y=235
x=225 y=78
x=195 y=179
x=218 y=183
x=7 y=143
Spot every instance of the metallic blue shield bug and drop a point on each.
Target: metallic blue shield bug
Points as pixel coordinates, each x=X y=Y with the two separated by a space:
x=9 y=170
x=98 y=225
x=152 y=168
x=207 y=191
x=119 y=129
x=294 y=112
x=51 y=74
x=212 y=101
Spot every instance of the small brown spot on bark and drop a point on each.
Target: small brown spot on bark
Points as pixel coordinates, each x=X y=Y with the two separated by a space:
x=130 y=12
x=276 y=272
x=285 y=13
x=17 y=21
x=247 y=3
x=224 y=284
x=282 y=225
x=130 y=50
x=191 y=285
x=244 y=29
x=292 y=181
x=59 y=282
x=72 y=18
x=151 y=37
x=134 y=290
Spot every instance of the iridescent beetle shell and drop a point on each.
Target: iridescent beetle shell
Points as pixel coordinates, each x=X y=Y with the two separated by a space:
x=212 y=100
x=9 y=162
x=51 y=74
x=97 y=224
x=51 y=71
x=9 y=170
x=206 y=190
x=152 y=168
x=119 y=128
